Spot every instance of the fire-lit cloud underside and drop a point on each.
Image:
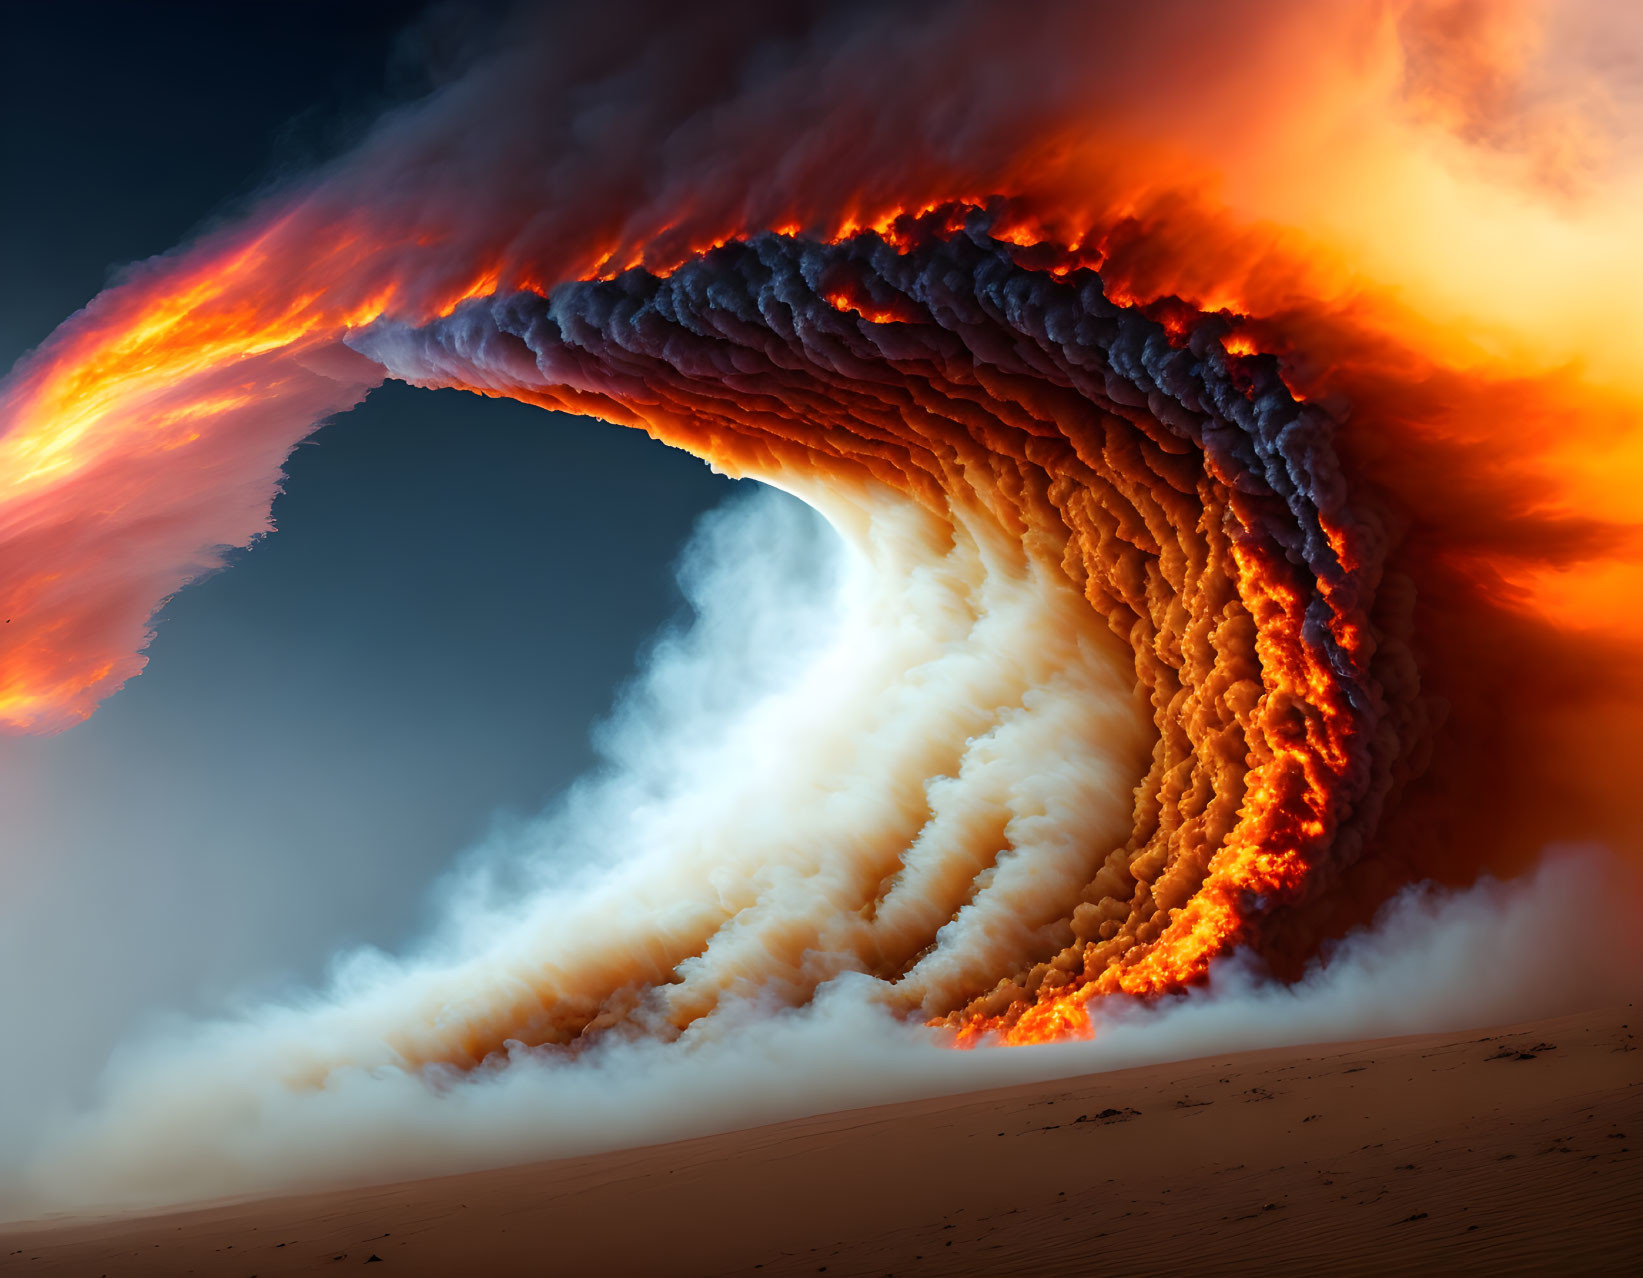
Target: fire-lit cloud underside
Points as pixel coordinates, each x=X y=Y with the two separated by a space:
x=1374 y=607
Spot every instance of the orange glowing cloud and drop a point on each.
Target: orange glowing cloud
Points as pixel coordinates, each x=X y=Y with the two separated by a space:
x=1299 y=340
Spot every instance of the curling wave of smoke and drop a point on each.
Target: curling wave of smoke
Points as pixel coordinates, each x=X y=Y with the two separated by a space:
x=727 y=819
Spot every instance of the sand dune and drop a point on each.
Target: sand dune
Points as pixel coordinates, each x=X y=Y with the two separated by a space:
x=1518 y=1150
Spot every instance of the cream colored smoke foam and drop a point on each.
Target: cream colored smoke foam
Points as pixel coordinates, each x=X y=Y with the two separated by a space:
x=898 y=752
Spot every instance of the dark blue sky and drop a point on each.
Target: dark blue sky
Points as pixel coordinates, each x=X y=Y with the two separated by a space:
x=456 y=589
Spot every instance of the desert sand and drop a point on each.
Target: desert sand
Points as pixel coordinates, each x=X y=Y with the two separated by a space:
x=1512 y=1151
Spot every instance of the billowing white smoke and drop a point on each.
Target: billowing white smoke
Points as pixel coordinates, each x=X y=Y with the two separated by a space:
x=900 y=750
x=768 y=774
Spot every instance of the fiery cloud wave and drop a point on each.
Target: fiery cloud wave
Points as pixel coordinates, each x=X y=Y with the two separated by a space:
x=1074 y=363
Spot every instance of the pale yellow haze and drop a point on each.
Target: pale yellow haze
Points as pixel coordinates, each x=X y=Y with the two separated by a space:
x=1491 y=215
